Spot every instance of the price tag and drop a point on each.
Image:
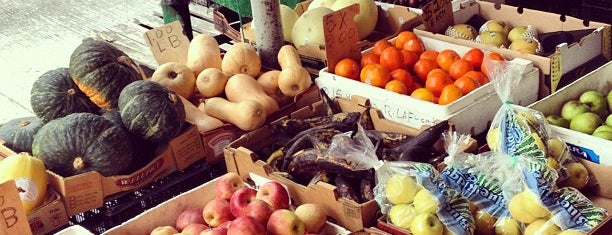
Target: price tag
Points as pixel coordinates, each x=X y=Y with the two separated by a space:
x=438 y=15
x=555 y=71
x=341 y=35
x=168 y=43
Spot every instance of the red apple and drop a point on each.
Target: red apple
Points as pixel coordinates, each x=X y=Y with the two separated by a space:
x=194 y=229
x=227 y=184
x=217 y=212
x=275 y=194
x=245 y=225
x=215 y=231
x=259 y=210
x=285 y=222
x=240 y=199
x=189 y=216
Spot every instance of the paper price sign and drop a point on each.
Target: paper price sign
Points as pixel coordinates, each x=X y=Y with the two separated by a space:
x=168 y=43
x=438 y=15
x=341 y=35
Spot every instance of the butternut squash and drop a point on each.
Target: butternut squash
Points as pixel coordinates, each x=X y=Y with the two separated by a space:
x=288 y=56
x=176 y=77
x=293 y=78
x=246 y=114
x=203 y=52
x=199 y=118
x=241 y=58
x=269 y=82
x=211 y=82
x=242 y=87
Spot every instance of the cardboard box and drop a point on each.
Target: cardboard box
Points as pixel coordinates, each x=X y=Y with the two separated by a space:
x=240 y=157
x=581 y=145
x=167 y=212
x=470 y=114
x=50 y=216
x=565 y=58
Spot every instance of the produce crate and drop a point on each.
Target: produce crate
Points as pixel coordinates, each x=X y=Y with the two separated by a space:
x=120 y=208
x=471 y=114
x=591 y=41
x=241 y=157
x=585 y=146
x=243 y=7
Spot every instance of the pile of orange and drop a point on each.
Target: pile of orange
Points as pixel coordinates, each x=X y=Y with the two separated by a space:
x=405 y=66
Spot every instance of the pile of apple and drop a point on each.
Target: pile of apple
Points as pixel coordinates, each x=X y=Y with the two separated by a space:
x=239 y=209
x=589 y=114
x=522 y=38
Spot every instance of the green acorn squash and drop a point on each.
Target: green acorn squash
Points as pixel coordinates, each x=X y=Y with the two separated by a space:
x=18 y=133
x=54 y=95
x=101 y=71
x=83 y=142
x=151 y=111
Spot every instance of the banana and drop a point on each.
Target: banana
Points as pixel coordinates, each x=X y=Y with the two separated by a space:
x=367 y=190
x=291 y=127
x=345 y=189
x=312 y=160
x=332 y=107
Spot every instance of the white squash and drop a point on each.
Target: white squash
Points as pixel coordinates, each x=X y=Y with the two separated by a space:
x=288 y=18
x=367 y=17
x=308 y=28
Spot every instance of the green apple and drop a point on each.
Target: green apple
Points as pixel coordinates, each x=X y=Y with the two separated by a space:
x=609 y=99
x=571 y=232
x=572 y=108
x=518 y=211
x=578 y=175
x=493 y=38
x=485 y=223
x=596 y=102
x=401 y=215
x=517 y=32
x=586 y=122
x=425 y=202
x=507 y=226
x=607 y=135
x=426 y=224
x=542 y=227
x=608 y=120
x=496 y=26
x=557 y=121
x=401 y=189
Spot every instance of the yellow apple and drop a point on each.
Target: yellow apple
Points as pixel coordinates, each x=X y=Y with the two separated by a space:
x=532 y=205
x=426 y=224
x=507 y=226
x=538 y=141
x=464 y=31
x=552 y=163
x=401 y=189
x=313 y=215
x=425 y=202
x=496 y=39
x=401 y=215
x=556 y=148
x=571 y=232
x=493 y=138
x=525 y=45
x=496 y=26
x=578 y=175
x=542 y=227
x=517 y=211
x=485 y=223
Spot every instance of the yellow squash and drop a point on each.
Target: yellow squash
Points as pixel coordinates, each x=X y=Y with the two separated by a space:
x=30 y=176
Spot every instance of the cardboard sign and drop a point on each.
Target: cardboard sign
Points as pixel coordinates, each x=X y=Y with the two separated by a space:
x=438 y=15
x=168 y=43
x=13 y=219
x=341 y=35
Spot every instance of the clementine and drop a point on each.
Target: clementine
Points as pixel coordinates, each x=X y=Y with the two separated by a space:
x=466 y=84
x=423 y=94
x=347 y=67
x=380 y=45
x=422 y=67
x=449 y=94
x=459 y=68
x=403 y=37
x=429 y=54
x=397 y=87
x=474 y=56
x=410 y=58
x=392 y=58
x=375 y=75
x=490 y=56
x=415 y=45
x=437 y=79
x=446 y=58
x=369 y=58
x=478 y=76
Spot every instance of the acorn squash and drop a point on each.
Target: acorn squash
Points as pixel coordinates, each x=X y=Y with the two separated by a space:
x=83 y=142
x=101 y=71
x=54 y=95
x=151 y=111
x=30 y=176
x=18 y=133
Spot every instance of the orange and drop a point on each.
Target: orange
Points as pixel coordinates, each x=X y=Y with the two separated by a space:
x=391 y=58
x=446 y=58
x=429 y=54
x=478 y=76
x=375 y=75
x=369 y=58
x=437 y=79
x=474 y=56
x=415 y=45
x=459 y=68
x=347 y=67
x=402 y=75
x=423 y=94
x=380 y=45
x=466 y=84
x=397 y=86
x=422 y=67
x=490 y=56
x=403 y=37
x=410 y=58
x=449 y=94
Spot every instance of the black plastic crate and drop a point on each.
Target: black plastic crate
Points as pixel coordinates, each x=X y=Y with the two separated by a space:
x=597 y=13
x=122 y=207
x=605 y=4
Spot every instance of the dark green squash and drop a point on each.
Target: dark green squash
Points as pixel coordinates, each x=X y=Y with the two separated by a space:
x=101 y=71
x=151 y=111
x=54 y=95
x=83 y=142
x=18 y=133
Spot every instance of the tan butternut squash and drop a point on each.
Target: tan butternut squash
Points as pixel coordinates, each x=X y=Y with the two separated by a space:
x=203 y=52
x=288 y=56
x=241 y=58
x=176 y=77
x=242 y=87
x=199 y=118
x=269 y=82
x=211 y=82
x=294 y=80
x=246 y=114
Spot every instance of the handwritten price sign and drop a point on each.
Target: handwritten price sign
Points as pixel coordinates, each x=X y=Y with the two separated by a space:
x=438 y=15
x=341 y=35
x=168 y=43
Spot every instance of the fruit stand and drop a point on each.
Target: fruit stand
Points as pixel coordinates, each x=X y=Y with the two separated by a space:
x=305 y=117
